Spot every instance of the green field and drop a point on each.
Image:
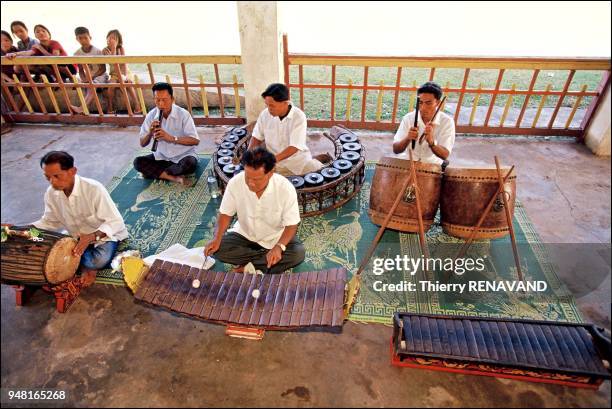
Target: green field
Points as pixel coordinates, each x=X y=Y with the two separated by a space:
x=318 y=101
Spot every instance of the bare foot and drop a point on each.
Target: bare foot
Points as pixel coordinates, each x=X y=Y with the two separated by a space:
x=88 y=277
x=324 y=158
x=187 y=182
x=76 y=110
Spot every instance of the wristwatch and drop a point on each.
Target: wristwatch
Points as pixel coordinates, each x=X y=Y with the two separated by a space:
x=282 y=246
x=175 y=139
x=431 y=145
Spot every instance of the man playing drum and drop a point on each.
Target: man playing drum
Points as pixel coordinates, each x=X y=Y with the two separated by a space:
x=282 y=126
x=85 y=209
x=266 y=207
x=434 y=137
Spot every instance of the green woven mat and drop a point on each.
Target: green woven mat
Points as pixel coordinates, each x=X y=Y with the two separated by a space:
x=159 y=214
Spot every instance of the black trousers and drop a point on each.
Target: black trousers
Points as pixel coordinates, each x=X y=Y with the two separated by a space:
x=238 y=250
x=151 y=168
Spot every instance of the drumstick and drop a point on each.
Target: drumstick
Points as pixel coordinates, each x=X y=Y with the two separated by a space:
x=483 y=216
x=433 y=117
x=517 y=260
x=383 y=226
x=416 y=119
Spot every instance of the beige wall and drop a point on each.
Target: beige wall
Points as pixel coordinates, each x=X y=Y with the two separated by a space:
x=598 y=133
x=261 y=49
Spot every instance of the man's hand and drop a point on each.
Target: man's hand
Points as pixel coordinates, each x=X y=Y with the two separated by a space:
x=274 y=256
x=161 y=135
x=413 y=134
x=84 y=241
x=154 y=126
x=212 y=247
x=429 y=132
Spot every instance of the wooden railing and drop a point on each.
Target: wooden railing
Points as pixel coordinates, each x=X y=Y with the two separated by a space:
x=200 y=83
x=522 y=108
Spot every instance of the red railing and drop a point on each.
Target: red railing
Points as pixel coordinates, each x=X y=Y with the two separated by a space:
x=523 y=108
x=54 y=94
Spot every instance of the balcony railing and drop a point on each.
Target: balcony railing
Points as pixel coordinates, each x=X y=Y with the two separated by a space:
x=485 y=95
x=208 y=86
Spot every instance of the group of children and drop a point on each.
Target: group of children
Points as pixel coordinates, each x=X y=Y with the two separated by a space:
x=43 y=45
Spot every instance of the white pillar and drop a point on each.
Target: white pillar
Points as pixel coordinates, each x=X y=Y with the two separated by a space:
x=598 y=133
x=261 y=49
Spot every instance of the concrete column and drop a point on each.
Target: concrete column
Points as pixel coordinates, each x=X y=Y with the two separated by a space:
x=261 y=48
x=598 y=133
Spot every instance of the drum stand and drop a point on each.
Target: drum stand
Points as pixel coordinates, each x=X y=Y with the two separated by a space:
x=354 y=284
x=500 y=190
x=65 y=293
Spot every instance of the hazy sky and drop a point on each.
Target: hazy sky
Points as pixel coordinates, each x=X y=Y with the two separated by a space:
x=367 y=28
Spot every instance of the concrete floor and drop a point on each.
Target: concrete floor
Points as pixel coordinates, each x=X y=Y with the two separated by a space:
x=109 y=351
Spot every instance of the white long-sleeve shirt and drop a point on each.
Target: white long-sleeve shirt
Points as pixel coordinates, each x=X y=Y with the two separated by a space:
x=88 y=208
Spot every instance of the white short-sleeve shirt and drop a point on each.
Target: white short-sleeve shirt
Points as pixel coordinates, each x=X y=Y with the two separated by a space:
x=179 y=123
x=261 y=220
x=279 y=135
x=88 y=208
x=444 y=135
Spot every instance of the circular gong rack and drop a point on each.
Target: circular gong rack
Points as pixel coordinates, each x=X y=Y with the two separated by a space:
x=313 y=200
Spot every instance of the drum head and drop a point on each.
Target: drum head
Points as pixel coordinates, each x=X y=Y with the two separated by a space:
x=477 y=174
x=348 y=138
x=224 y=160
x=313 y=179
x=239 y=132
x=228 y=145
x=344 y=166
x=225 y=152
x=61 y=265
x=296 y=181
x=330 y=173
x=350 y=156
x=231 y=138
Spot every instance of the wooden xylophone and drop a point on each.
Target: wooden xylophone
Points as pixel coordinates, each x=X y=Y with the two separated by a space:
x=285 y=301
x=564 y=353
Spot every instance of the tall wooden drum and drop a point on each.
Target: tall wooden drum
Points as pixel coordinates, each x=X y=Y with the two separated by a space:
x=28 y=262
x=389 y=178
x=465 y=195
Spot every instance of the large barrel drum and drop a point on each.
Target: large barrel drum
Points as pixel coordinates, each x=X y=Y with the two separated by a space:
x=389 y=178
x=465 y=195
x=49 y=261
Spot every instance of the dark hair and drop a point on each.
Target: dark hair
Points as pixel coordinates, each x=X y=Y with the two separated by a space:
x=65 y=160
x=18 y=23
x=278 y=92
x=430 y=87
x=259 y=157
x=5 y=33
x=44 y=28
x=161 y=86
x=81 y=30
x=119 y=37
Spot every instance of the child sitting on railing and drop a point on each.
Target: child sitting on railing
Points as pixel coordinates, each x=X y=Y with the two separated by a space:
x=114 y=46
x=47 y=47
x=97 y=72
